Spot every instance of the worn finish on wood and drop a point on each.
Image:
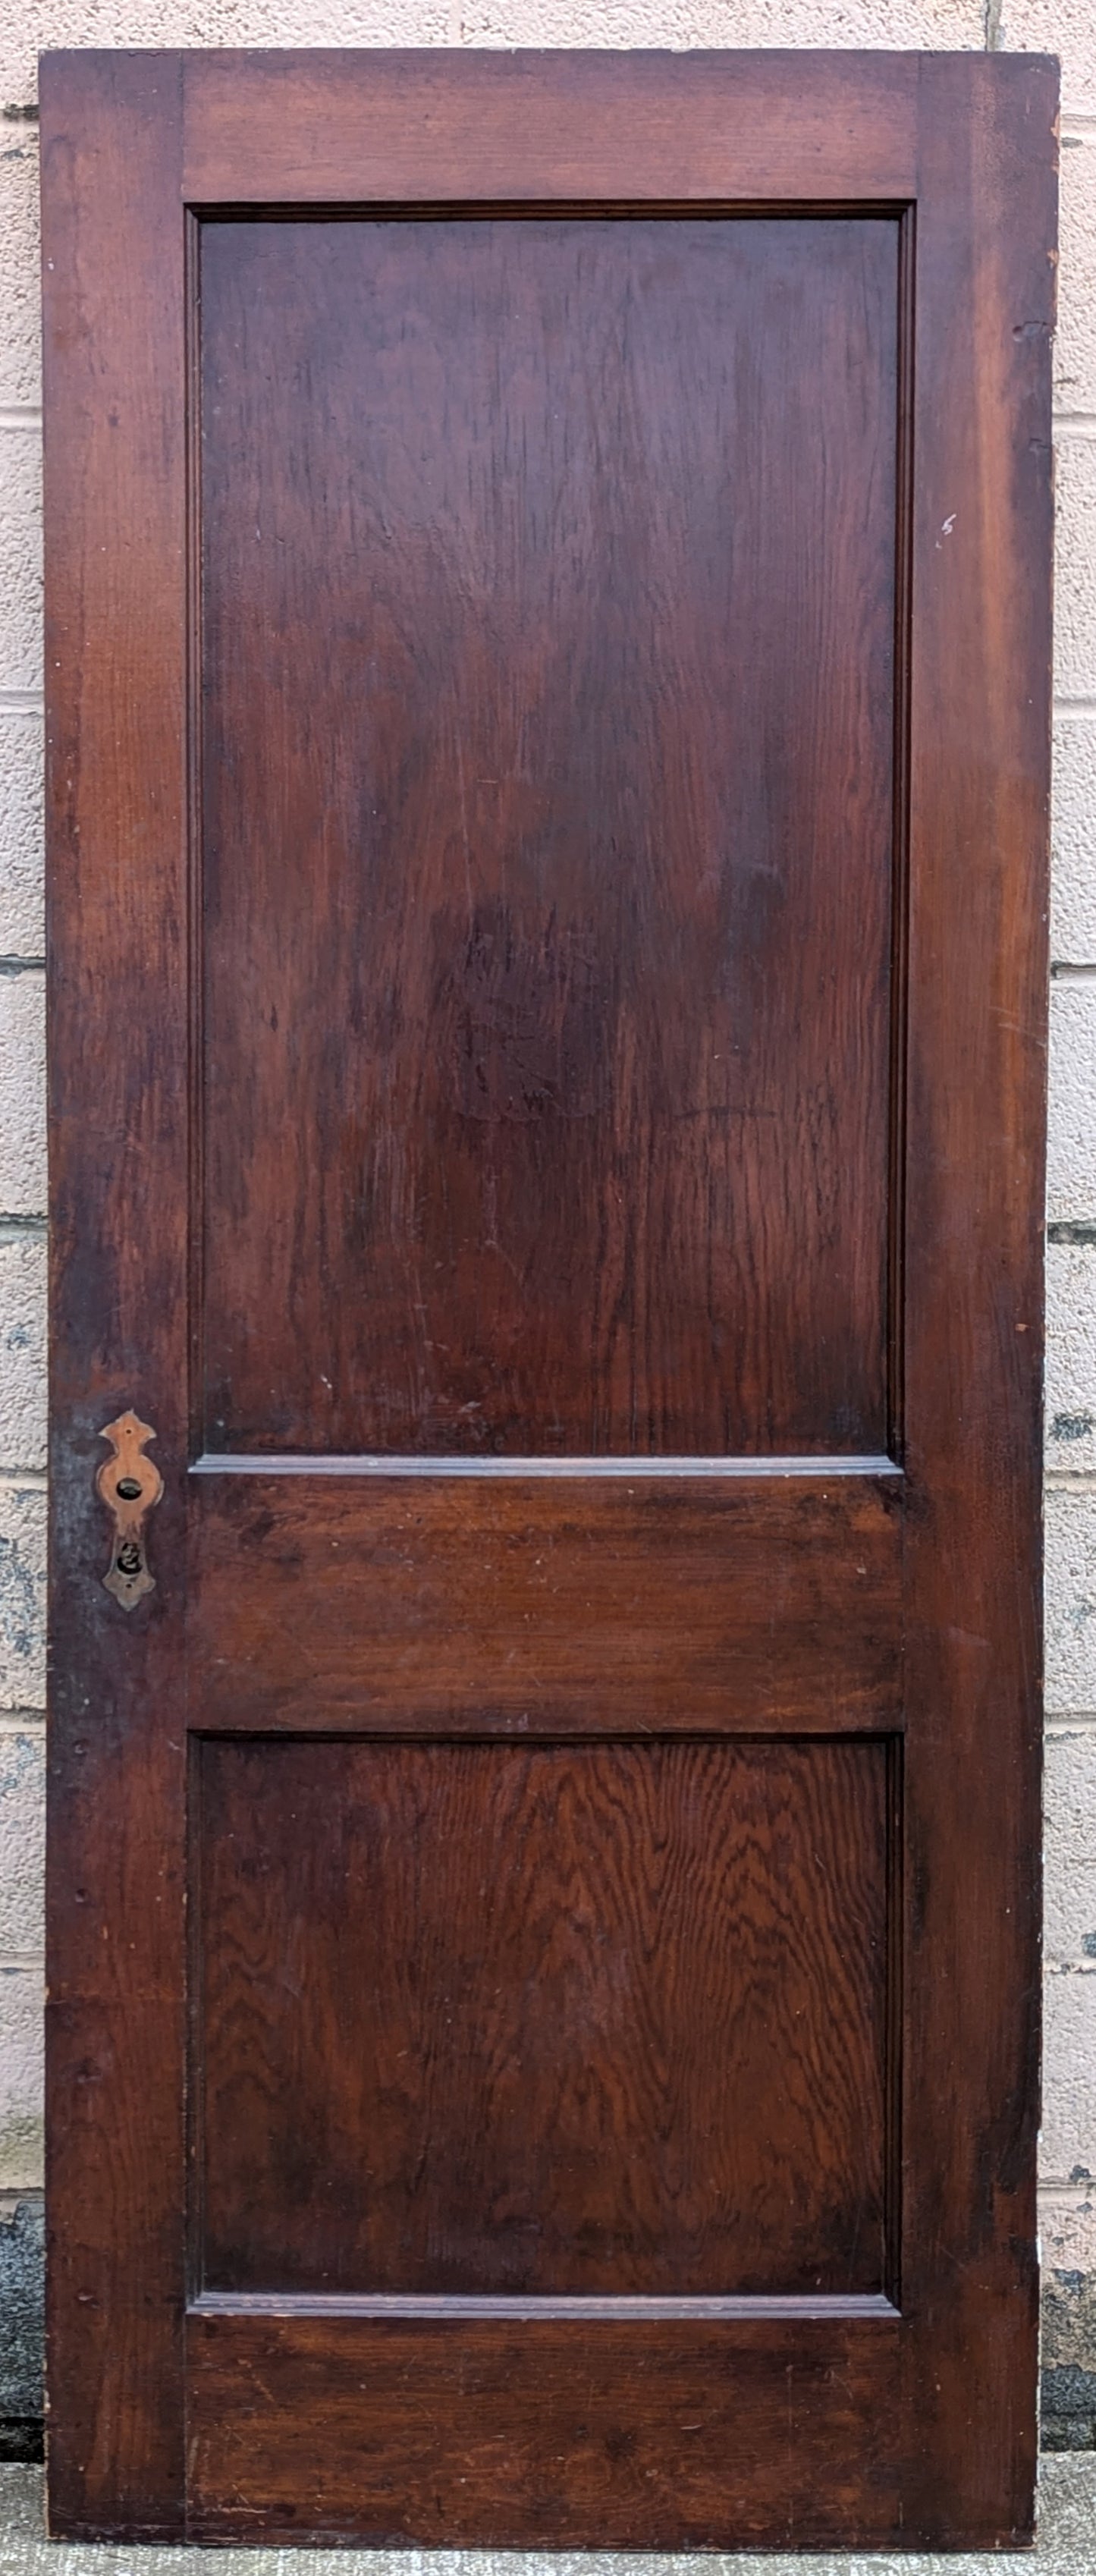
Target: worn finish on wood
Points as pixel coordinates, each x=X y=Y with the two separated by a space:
x=362 y=1649
x=323 y=1601
x=534 y=1121
x=423 y=128
x=973 y=1324
x=558 y=2019
x=115 y=700
x=660 y=2429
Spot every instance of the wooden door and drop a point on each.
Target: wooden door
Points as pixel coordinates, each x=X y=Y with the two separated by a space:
x=548 y=677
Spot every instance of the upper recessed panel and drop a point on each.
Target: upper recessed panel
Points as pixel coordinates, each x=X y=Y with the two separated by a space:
x=547 y=700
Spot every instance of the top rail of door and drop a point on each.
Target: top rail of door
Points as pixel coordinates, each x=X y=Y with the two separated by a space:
x=323 y=128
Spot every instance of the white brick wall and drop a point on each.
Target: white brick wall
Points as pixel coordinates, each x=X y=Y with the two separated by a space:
x=22 y=1152
x=1064 y=26
x=1071 y=1357
x=22 y=929
x=1061 y=27
x=1073 y=837
x=22 y=1841
x=1069 y=2115
x=22 y=1140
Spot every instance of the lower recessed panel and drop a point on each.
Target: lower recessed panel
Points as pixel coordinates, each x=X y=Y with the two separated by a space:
x=486 y=2017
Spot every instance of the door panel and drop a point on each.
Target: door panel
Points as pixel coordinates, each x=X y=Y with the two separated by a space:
x=548 y=596
x=561 y=2020
x=548 y=928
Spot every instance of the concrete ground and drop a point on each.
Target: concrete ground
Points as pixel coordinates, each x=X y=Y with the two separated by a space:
x=1066 y=2547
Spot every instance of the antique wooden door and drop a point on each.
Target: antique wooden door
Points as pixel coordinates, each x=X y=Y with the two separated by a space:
x=548 y=613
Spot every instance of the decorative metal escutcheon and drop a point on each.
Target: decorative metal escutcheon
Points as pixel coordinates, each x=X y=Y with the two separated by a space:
x=130 y=1485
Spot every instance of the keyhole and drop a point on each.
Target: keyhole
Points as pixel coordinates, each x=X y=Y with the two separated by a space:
x=128 y=1489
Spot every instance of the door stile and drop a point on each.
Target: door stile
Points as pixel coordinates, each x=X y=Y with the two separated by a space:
x=979 y=797
x=116 y=811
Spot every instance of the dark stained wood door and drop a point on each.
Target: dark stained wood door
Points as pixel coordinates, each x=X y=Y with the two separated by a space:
x=548 y=569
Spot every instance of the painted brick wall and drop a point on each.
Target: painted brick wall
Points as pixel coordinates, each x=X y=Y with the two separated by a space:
x=1064 y=26
x=1068 y=2212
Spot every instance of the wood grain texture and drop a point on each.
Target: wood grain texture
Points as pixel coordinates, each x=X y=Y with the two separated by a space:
x=546 y=1041
x=115 y=701
x=492 y=2436
x=428 y=128
x=680 y=1610
x=981 y=675
x=323 y=1602
x=557 y=2019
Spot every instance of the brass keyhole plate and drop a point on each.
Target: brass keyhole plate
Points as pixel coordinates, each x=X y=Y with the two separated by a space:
x=130 y=1485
